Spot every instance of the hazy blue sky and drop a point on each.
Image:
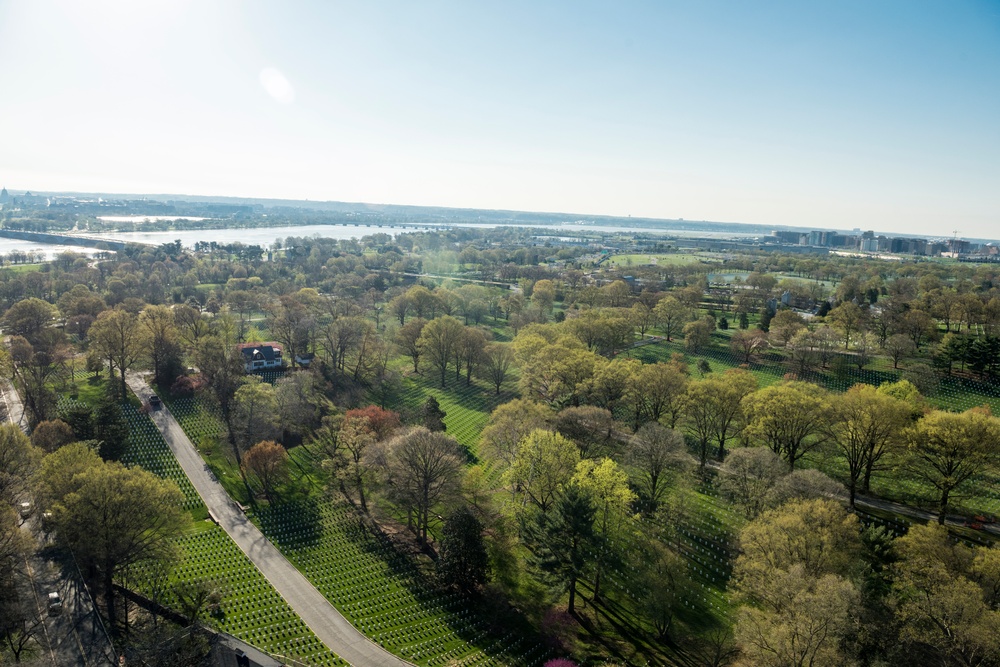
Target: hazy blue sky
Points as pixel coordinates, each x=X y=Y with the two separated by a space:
x=840 y=113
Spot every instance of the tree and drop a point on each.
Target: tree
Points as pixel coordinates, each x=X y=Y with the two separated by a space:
x=543 y=465
x=254 y=416
x=697 y=334
x=463 y=561
x=656 y=454
x=110 y=430
x=408 y=340
x=423 y=470
x=848 y=317
x=508 y=425
x=747 y=343
x=866 y=426
x=18 y=461
x=820 y=535
x=469 y=351
x=29 y=318
x=592 y=428
x=267 y=464
x=804 y=623
x=221 y=365
x=714 y=409
x=496 y=362
x=656 y=392
x=662 y=588
x=49 y=436
x=59 y=473
x=784 y=325
x=561 y=541
x=438 y=340
x=119 y=517
x=119 y=338
x=349 y=449
x=163 y=345
x=671 y=316
x=607 y=485
x=299 y=404
x=14 y=543
x=947 y=449
x=942 y=604
x=32 y=372
x=433 y=416
x=543 y=295
x=791 y=418
x=898 y=347
x=748 y=475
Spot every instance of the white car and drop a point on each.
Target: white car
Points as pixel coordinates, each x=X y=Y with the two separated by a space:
x=55 y=604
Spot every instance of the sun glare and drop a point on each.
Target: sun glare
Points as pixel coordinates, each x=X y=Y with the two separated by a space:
x=276 y=85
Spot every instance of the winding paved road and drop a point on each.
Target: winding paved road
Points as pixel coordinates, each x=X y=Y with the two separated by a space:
x=315 y=610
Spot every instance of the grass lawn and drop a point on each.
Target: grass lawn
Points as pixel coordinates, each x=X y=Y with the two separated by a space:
x=675 y=259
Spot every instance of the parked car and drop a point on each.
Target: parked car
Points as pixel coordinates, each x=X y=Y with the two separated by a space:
x=154 y=402
x=55 y=604
x=25 y=509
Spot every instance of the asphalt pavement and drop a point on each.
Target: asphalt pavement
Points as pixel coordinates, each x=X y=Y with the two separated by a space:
x=315 y=610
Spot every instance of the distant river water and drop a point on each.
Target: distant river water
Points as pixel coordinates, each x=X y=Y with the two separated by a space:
x=265 y=236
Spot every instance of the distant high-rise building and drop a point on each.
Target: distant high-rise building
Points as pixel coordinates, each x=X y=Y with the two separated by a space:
x=4 y=197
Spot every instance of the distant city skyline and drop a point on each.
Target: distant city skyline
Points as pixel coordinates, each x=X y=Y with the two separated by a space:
x=872 y=115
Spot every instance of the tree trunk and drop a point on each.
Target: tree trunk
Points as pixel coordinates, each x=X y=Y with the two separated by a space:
x=109 y=594
x=944 y=506
x=571 y=608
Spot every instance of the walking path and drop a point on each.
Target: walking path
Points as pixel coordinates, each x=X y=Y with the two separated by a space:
x=315 y=610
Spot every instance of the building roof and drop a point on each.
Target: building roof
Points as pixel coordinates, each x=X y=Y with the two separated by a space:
x=266 y=351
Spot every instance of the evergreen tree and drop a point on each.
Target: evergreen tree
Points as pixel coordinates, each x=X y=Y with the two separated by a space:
x=111 y=430
x=432 y=416
x=464 y=562
x=563 y=539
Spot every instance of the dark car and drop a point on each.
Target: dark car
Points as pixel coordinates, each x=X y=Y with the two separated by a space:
x=154 y=401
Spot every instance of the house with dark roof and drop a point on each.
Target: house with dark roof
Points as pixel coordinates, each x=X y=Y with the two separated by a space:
x=261 y=356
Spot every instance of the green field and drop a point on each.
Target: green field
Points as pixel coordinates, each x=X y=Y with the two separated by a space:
x=676 y=259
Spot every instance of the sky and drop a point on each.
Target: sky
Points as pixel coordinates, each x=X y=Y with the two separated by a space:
x=856 y=113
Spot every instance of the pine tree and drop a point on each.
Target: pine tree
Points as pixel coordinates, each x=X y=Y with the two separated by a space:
x=433 y=416
x=464 y=562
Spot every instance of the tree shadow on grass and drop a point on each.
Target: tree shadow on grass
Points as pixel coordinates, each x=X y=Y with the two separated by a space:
x=291 y=522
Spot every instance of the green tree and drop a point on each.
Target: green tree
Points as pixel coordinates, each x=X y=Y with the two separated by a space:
x=407 y=339
x=947 y=449
x=542 y=466
x=849 y=319
x=671 y=315
x=117 y=518
x=221 y=365
x=110 y=430
x=163 y=343
x=607 y=485
x=253 y=414
x=508 y=425
x=438 y=341
x=120 y=339
x=866 y=426
x=18 y=461
x=791 y=418
x=563 y=540
x=432 y=416
x=940 y=605
x=463 y=562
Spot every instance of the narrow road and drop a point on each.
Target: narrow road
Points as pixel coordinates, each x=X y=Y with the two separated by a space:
x=315 y=610
x=12 y=405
